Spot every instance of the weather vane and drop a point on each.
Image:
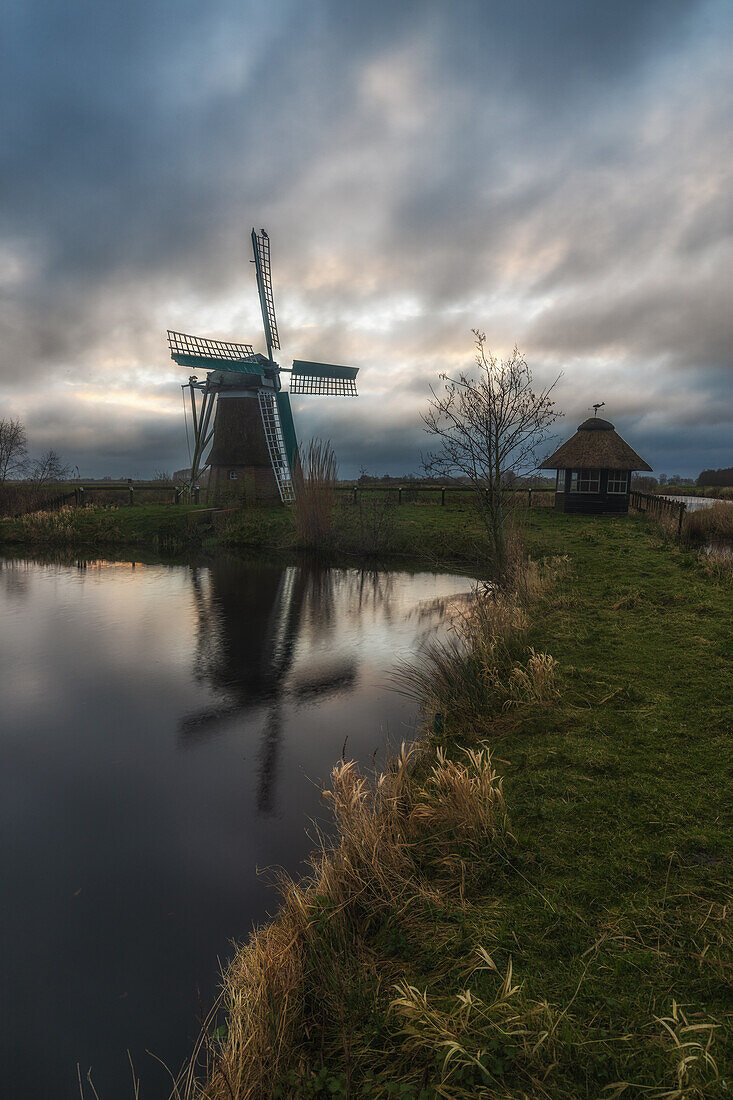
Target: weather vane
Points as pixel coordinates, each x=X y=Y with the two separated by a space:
x=597 y=407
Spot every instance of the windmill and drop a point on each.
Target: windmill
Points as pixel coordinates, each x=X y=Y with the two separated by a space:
x=254 y=445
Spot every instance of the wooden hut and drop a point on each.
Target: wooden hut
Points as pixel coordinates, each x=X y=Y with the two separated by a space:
x=594 y=469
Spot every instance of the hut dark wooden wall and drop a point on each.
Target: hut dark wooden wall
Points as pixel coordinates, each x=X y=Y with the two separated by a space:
x=602 y=501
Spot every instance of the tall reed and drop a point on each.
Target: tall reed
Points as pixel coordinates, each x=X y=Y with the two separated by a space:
x=484 y=666
x=314 y=478
x=714 y=524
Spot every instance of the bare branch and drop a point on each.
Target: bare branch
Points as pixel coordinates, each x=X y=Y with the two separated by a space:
x=488 y=428
x=13 y=448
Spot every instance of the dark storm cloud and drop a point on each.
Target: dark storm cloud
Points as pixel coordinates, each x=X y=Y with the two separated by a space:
x=556 y=173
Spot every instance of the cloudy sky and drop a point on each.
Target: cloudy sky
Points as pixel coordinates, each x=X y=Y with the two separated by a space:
x=555 y=172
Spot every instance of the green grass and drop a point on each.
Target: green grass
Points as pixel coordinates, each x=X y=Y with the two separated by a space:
x=620 y=793
x=370 y=531
x=149 y=526
x=610 y=905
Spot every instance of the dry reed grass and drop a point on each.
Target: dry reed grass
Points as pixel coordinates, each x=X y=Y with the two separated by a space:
x=17 y=499
x=314 y=476
x=484 y=663
x=463 y=796
x=391 y=858
x=533 y=682
x=688 y=1046
x=476 y=1034
x=62 y=526
x=717 y=561
x=714 y=524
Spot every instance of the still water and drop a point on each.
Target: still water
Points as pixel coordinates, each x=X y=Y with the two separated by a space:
x=163 y=734
x=696 y=504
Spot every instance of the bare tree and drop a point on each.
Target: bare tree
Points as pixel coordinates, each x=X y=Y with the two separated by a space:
x=487 y=428
x=13 y=447
x=48 y=467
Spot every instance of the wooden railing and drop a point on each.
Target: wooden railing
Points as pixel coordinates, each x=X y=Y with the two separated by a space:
x=35 y=500
x=659 y=506
x=26 y=499
x=435 y=494
x=83 y=492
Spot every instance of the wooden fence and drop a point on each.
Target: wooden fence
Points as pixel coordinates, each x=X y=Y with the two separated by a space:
x=84 y=493
x=174 y=494
x=432 y=494
x=659 y=506
x=34 y=500
x=24 y=499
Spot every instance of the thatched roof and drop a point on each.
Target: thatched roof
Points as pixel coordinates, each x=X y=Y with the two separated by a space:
x=595 y=446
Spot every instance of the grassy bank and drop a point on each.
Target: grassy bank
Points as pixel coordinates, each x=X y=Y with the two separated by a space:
x=534 y=902
x=103 y=527
x=373 y=530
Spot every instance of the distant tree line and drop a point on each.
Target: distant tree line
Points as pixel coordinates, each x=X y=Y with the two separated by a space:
x=645 y=483
x=509 y=479
x=716 y=477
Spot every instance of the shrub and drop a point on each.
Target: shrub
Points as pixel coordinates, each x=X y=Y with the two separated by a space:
x=375 y=523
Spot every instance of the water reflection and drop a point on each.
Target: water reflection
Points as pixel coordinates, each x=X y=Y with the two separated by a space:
x=255 y=669
x=159 y=728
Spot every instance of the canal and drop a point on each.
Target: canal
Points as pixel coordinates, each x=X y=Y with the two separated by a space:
x=164 y=734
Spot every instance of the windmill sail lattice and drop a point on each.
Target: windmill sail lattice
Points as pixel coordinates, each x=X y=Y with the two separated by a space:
x=323 y=379
x=198 y=347
x=252 y=441
x=261 y=248
x=276 y=445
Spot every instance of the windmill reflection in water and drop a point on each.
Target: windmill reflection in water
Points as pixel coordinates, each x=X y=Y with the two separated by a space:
x=250 y=618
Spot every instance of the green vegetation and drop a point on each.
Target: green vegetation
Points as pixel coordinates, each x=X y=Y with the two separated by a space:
x=714 y=524
x=373 y=528
x=103 y=527
x=548 y=920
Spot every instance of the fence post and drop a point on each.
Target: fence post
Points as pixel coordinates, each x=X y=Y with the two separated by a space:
x=82 y=502
x=529 y=496
x=442 y=496
x=355 y=492
x=399 y=495
x=132 y=495
x=683 y=508
x=196 y=494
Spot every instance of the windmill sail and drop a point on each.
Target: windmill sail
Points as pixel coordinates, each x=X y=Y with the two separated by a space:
x=198 y=351
x=323 y=378
x=261 y=249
